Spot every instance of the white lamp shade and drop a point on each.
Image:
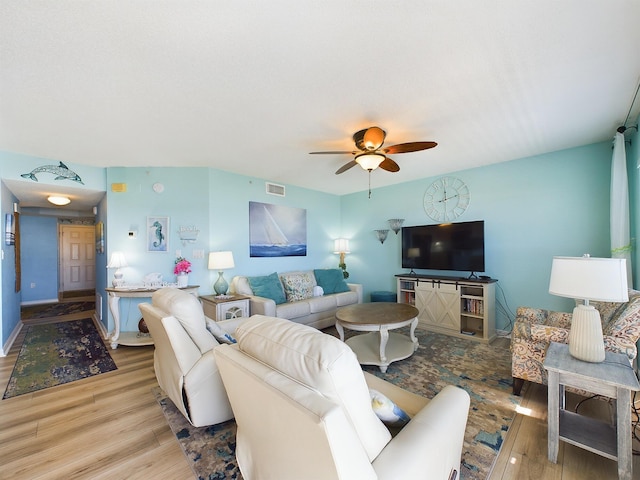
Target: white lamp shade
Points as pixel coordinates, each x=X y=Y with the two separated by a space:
x=341 y=245
x=117 y=260
x=369 y=161
x=220 y=260
x=597 y=279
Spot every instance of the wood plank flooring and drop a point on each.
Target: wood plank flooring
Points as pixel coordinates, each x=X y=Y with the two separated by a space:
x=104 y=427
x=111 y=427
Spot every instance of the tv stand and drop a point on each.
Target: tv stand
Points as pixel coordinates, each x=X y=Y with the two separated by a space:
x=472 y=276
x=456 y=306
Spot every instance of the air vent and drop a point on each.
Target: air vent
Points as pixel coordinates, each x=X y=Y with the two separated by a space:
x=275 y=189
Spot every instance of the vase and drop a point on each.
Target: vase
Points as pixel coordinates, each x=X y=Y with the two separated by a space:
x=183 y=280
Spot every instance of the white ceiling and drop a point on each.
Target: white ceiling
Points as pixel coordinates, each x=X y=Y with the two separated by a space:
x=252 y=86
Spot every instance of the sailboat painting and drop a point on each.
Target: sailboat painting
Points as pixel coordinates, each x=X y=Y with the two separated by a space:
x=277 y=231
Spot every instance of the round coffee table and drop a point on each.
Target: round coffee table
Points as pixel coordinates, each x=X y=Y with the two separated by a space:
x=379 y=347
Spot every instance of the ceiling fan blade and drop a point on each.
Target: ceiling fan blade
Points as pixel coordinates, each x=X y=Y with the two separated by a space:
x=332 y=153
x=389 y=165
x=346 y=167
x=409 y=147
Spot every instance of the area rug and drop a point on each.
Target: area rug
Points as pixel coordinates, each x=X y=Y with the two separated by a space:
x=56 y=309
x=57 y=353
x=482 y=370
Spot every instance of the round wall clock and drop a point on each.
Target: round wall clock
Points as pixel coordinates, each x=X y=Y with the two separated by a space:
x=446 y=199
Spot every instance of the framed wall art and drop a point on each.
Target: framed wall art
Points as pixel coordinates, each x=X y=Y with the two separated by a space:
x=277 y=231
x=158 y=234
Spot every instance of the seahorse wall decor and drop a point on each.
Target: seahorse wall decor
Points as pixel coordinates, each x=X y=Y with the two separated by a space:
x=61 y=171
x=159 y=235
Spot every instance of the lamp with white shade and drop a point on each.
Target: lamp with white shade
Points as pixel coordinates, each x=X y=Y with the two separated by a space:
x=220 y=261
x=341 y=246
x=117 y=261
x=588 y=279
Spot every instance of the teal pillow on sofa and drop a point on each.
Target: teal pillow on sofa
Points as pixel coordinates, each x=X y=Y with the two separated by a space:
x=331 y=280
x=268 y=286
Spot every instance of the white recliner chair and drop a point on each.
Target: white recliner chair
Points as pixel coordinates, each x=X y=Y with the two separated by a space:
x=183 y=360
x=303 y=410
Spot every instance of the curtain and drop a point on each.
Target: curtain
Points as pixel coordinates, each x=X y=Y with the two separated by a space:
x=620 y=236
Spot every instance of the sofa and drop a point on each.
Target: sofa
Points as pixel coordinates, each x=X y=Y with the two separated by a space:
x=295 y=295
x=534 y=329
x=304 y=409
x=183 y=359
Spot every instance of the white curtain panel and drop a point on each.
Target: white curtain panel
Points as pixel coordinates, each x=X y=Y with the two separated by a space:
x=620 y=236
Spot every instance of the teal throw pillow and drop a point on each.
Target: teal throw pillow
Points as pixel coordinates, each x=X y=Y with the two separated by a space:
x=331 y=280
x=268 y=286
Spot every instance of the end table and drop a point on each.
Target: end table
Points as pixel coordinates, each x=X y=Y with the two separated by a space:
x=613 y=378
x=226 y=307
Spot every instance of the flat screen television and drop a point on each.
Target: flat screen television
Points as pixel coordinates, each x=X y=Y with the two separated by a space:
x=448 y=246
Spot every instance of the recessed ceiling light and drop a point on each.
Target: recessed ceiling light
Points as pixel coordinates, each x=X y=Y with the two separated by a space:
x=58 y=200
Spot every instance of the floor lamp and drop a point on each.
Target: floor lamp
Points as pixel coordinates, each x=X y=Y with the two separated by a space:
x=588 y=279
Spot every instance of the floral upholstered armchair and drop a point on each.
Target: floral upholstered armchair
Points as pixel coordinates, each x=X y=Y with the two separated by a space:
x=535 y=329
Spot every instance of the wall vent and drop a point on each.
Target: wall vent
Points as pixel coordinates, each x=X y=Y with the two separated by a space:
x=275 y=189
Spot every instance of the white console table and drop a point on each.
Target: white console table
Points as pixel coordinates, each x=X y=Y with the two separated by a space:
x=132 y=339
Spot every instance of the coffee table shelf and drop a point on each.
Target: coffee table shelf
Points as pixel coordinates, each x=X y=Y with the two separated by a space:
x=367 y=346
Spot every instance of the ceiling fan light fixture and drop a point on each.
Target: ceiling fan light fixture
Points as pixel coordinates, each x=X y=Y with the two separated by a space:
x=58 y=200
x=369 y=161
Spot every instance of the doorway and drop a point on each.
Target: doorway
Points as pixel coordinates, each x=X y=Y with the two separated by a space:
x=77 y=259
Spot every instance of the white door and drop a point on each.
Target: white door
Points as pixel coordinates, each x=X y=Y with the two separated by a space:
x=77 y=258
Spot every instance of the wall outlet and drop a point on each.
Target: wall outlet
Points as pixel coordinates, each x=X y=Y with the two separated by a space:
x=33 y=285
x=198 y=253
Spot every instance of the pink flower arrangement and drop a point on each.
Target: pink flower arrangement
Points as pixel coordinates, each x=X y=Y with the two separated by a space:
x=182 y=266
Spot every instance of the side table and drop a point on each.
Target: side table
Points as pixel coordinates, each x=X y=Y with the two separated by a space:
x=613 y=378
x=132 y=339
x=226 y=307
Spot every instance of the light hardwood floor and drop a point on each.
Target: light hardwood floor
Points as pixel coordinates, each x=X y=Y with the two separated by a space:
x=111 y=427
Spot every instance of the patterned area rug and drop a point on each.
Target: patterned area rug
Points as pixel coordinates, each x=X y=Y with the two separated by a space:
x=56 y=309
x=482 y=370
x=57 y=353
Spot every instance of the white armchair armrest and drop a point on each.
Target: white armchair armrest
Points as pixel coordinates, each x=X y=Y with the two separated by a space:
x=430 y=442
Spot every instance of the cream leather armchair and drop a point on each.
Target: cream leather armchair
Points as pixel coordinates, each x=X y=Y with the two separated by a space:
x=183 y=359
x=303 y=410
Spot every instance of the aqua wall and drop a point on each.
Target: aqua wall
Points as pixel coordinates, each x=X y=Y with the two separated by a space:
x=39 y=259
x=533 y=208
x=10 y=298
x=217 y=204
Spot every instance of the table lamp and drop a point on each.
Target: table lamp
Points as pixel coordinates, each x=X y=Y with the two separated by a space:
x=220 y=261
x=117 y=261
x=589 y=279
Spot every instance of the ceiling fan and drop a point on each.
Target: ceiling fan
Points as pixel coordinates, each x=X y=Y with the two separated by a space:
x=370 y=154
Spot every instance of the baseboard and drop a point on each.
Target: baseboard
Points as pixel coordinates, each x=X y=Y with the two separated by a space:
x=40 y=302
x=101 y=327
x=10 y=341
